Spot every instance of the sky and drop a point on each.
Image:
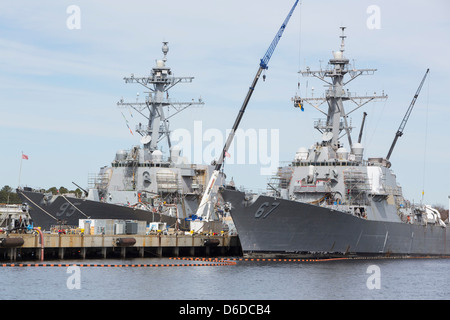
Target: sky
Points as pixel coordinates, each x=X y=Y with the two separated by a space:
x=61 y=76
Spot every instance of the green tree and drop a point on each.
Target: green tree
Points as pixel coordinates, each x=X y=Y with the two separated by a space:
x=53 y=190
x=78 y=193
x=63 y=190
x=8 y=195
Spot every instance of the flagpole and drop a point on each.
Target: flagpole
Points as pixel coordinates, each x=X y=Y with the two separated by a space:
x=20 y=170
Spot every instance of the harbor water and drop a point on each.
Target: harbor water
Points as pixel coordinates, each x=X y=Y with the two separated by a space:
x=372 y=279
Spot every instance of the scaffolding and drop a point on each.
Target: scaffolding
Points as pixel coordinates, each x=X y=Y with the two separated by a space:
x=356 y=186
x=168 y=181
x=98 y=181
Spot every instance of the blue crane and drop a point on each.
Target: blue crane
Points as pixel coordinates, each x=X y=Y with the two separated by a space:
x=273 y=45
x=262 y=66
x=202 y=210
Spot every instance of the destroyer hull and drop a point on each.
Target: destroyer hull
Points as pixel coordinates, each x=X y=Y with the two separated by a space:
x=68 y=211
x=277 y=227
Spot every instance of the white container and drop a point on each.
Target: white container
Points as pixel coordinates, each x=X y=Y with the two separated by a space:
x=119 y=227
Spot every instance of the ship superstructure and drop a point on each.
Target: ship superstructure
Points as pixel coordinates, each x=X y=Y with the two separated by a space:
x=329 y=173
x=145 y=177
x=151 y=181
x=329 y=199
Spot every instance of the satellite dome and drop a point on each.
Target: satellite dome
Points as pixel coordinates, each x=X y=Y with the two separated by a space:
x=160 y=64
x=157 y=156
x=337 y=55
x=342 y=154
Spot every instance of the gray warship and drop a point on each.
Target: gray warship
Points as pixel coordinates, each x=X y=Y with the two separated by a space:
x=142 y=183
x=330 y=201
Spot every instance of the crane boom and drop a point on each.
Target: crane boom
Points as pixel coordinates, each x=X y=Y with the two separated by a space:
x=273 y=45
x=406 y=117
x=362 y=127
x=202 y=211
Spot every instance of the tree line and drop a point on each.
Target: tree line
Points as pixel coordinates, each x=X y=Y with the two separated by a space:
x=8 y=195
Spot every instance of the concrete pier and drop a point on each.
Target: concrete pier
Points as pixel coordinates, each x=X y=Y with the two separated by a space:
x=82 y=246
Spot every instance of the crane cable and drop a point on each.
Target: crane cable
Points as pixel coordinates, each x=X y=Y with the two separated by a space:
x=426 y=141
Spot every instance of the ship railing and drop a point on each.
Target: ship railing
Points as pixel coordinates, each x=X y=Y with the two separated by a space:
x=395 y=191
x=359 y=202
x=345 y=94
x=38 y=189
x=12 y=208
x=321 y=124
x=98 y=181
x=338 y=207
x=358 y=210
x=165 y=163
x=312 y=189
x=258 y=191
x=329 y=163
x=334 y=162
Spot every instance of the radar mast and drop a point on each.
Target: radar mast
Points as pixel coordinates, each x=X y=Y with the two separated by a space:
x=159 y=82
x=335 y=96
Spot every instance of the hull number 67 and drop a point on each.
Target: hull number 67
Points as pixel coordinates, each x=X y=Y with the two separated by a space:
x=264 y=210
